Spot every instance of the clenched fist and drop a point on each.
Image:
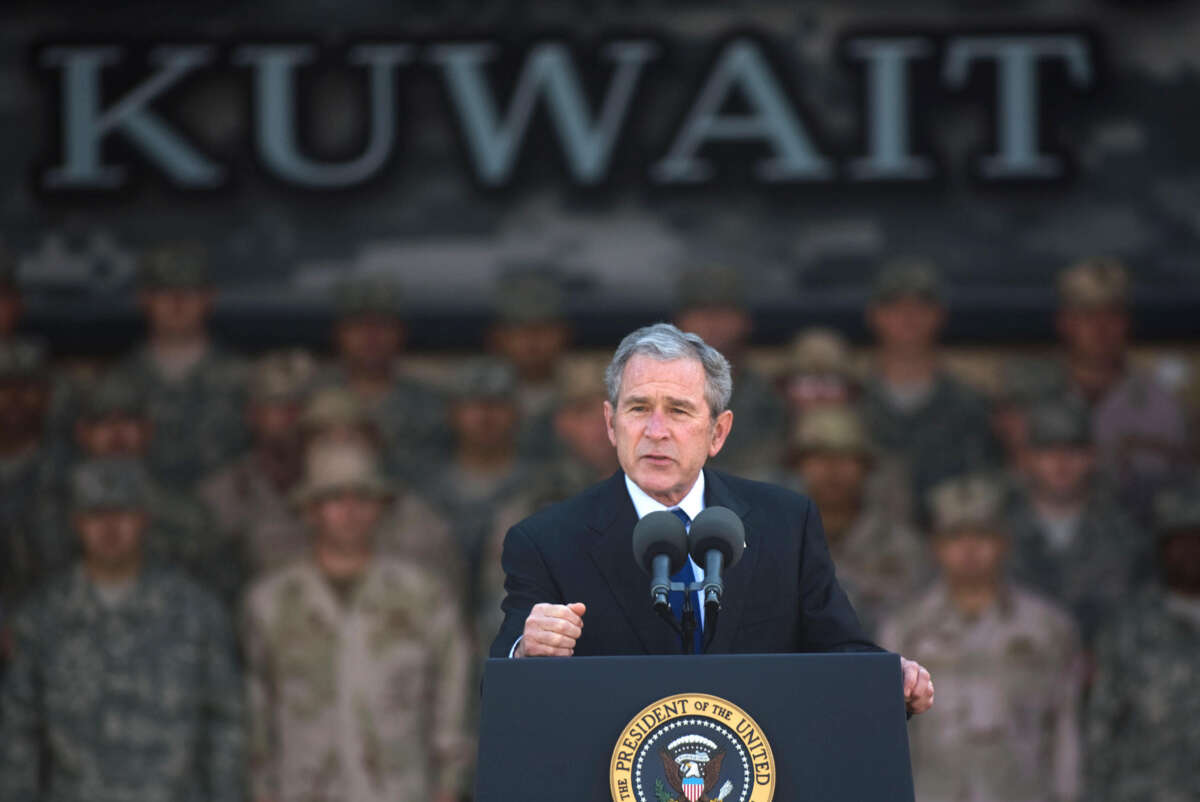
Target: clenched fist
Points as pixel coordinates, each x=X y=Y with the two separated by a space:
x=551 y=630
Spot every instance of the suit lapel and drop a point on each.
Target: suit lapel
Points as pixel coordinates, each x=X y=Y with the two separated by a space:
x=737 y=579
x=611 y=550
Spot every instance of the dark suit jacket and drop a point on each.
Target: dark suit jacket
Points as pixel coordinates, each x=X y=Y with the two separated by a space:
x=782 y=596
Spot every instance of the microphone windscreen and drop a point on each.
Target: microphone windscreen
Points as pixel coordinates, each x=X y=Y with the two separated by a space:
x=717 y=528
x=660 y=533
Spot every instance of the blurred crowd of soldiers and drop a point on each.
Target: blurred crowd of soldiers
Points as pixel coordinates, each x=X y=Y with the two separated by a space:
x=274 y=579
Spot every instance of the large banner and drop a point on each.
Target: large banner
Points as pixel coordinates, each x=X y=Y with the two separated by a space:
x=613 y=143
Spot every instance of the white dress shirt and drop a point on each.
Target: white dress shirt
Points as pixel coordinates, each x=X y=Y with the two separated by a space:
x=643 y=505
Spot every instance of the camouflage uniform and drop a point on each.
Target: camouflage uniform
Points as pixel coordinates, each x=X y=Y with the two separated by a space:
x=948 y=432
x=199 y=416
x=1107 y=556
x=250 y=510
x=411 y=416
x=121 y=699
x=359 y=700
x=1008 y=681
x=881 y=561
x=1143 y=734
x=755 y=444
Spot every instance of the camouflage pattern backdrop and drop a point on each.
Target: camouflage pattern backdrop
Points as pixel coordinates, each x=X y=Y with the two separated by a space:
x=612 y=142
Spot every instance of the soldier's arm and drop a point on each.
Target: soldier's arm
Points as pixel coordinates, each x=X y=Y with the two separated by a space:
x=451 y=685
x=1106 y=709
x=260 y=702
x=225 y=734
x=21 y=717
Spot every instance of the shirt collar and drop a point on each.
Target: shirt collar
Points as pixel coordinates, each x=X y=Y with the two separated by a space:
x=643 y=504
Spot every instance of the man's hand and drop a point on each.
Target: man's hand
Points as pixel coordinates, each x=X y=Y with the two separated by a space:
x=551 y=630
x=918 y=686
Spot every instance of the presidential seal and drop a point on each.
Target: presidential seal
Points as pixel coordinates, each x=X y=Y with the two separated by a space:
x=692 y=748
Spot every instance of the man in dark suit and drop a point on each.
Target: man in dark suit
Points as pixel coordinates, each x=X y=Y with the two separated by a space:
x=667 y=415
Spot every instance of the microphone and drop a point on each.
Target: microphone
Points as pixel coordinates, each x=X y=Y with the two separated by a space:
x=716 y=541
x=660 y=547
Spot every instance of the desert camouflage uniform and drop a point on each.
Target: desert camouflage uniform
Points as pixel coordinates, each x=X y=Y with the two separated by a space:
x=1143 y=724
x=358 y=699
x=1004 y=727
x=128 y=702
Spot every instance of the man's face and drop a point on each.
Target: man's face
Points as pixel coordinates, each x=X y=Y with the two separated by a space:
x=177 y=312
x=970 y=558
x=274 y=422
x=112 y=538
x=346 y=519
x=662 y=426
x=22 y=408
x=580 y=425
x=834 y=480
x=725 y=328
x=806 y=392
x=1098 y=334
x=908 y=323
x=1011 y=425
x=1060 y=473
x=485 y=424
x=114 y=436
x=369 y=342
x=533 y=349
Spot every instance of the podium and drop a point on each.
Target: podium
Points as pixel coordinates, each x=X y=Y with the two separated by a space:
x=710 y=728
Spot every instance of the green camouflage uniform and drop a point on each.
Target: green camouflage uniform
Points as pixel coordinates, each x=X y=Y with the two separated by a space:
x=199 y=416
x=1143 y=724
x=121 y=699
x=358 y=699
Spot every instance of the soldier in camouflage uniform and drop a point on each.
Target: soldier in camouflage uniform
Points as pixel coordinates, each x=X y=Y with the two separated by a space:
x=1007 y=662
x=249 y=498
x=1023 y=383
x=532 y=334
x=369 y=337
x=194 y=391
x=1143 y=722
x=28 y=470
x=123 y=685
x=486 y=470
x=710 y=302
x=358 y=663
x=913 y=408
x=1139 y=427
x=1072 y=540
x=880 y=560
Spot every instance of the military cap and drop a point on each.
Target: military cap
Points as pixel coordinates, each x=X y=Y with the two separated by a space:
x=112 y=396
x=333 y=406
x=906 y=278
x=1094 y=283
x=1061 y=422
x=580 y=380
x=529 y=296
x=22 y=358
x=1177 y=510
x=1027 y=381
x=710 y=285
x=175 y=266
x=341 y=467
x=831 y=430
x=485 y=377
x=109 y=483
x=970 y=502
x=820 y=351
x=282 y=376
x=369 y=295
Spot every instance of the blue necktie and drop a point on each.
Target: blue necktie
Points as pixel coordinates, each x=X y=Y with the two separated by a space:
x=687 y=576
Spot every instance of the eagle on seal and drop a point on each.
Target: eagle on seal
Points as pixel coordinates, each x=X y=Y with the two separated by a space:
x=688 y=765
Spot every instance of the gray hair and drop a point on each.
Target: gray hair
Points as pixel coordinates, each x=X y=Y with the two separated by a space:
x=665 y=343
